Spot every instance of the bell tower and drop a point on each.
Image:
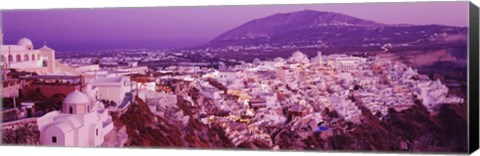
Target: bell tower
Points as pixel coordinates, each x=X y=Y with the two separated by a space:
x=50 y=54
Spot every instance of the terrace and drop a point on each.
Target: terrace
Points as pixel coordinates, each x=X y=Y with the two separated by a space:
x=55 y=79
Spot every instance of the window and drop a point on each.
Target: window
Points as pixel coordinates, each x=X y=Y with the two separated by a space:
x=70 y=110
x=19 y=58
x=96 y=132
x=54 y=139
x=33 y=57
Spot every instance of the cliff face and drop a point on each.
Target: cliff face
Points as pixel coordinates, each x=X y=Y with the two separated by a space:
x=411 y=130
x=145 y=129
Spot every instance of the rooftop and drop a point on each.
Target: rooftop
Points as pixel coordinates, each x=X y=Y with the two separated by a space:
x=108 y=80
x=52 y=77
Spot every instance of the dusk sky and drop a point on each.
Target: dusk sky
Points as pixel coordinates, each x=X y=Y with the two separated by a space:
x=176 y=27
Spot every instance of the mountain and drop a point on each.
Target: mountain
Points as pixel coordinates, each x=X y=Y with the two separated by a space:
x=286 y=22
x=329 y=30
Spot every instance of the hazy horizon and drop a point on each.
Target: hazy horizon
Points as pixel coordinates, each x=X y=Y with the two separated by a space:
x=180 y=27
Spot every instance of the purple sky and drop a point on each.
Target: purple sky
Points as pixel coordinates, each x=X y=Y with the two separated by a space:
x=174 y=27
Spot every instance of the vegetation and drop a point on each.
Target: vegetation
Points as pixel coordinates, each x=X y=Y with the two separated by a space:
x=21 y=134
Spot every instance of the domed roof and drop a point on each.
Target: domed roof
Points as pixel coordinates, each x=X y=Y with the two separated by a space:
x=76 y=97
x=25 y=42
x=278 y=59
x=298 y=54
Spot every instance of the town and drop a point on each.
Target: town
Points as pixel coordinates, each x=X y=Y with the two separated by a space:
x=73 y=102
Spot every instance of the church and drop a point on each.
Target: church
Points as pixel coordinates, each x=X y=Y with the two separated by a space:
x=81 y=122
x=298 y=57
x=24 y=57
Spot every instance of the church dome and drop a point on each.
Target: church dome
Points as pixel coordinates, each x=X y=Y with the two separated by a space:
x=76 y=97
x=299 y=57
x=279 y=59
x=25 y=42
x=298 y=54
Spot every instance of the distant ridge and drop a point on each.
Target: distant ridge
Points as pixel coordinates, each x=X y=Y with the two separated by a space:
x=309 y=28
x=275 y=24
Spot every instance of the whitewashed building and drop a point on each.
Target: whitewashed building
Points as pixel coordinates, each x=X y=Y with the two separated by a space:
x=298 y=57
x=110 y=88
x=24 y=57
x=81 y=122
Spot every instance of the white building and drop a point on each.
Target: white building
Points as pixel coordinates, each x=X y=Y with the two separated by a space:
x=209 y=91
x=81 y=122
x=228 y=78
x=88 y=68
x=298 y=57
x=134 y=70
x=110 y=88
x=24 y=57
x=348 y=63
x=318 y=59
x=279 y=61
x=10 y=89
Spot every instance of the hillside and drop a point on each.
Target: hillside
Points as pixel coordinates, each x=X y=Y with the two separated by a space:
x=146 y=129
x=278 y=24
x=411 y=130
x=329 y=31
